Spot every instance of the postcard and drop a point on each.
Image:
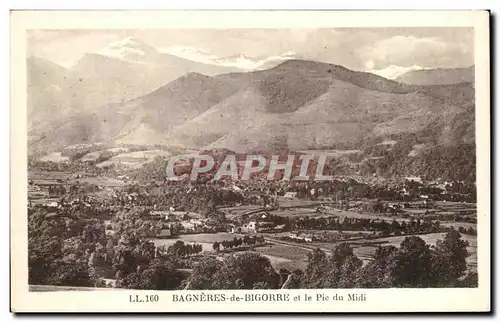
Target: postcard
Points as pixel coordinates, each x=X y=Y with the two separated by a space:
x=250 y=161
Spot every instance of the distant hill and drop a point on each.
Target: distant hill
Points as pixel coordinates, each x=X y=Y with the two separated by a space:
x=170 y=106
x=117 y=73
x=439 y=76
x=307 y=105
x=46 y=85
x=296 y=105
x=143 y=120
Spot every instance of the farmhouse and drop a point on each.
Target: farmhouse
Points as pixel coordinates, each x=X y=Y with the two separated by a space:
x=414 y=179
x=301 y=236
x=164 y=233
x=159 y=214
x=279 y=228
x=250 y=227
x=265 y=226
x=53 y=204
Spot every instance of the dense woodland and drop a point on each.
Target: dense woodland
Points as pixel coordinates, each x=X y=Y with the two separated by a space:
x=76 y=251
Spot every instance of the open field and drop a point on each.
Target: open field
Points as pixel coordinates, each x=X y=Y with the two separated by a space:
x=57 y=177
x=294 y=212
x=207 y=247
x=43 y=201
x=206 y=240
x=41 y=176
x=135 y=159
x=234 y=212
x=285 y=251
x=298 y=203
x=367 y=247
x=281 y=256
x=279 y=262
x=330 y=153
x=291 y=265
x=54 y=157
x=318 y=232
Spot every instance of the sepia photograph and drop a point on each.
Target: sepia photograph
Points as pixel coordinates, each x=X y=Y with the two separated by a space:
x=252 y=159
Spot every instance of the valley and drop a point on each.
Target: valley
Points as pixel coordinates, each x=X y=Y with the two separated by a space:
x=398 y=210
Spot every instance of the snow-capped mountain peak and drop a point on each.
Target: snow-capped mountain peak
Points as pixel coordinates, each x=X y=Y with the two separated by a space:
x=240 y=61
x=394 y=71
x=190 y=53
x=130 y=49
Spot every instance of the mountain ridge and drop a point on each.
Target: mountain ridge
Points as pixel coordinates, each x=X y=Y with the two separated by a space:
x=297 y=104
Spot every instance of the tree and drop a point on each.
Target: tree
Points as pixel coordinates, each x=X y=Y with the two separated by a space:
x=197 y=248
x=449 y=259
x=348 y=271
x=178 y=249
x=261 y=286
x=294 y=280
x=249 y=268
x=144 y=252
x=235 y=242
x=413 y=263
x=284 y=273
x=216 y=246
x=335 y=271
x=189 y=249
x=159 y=275
x=203 y=275
x=381 y=271
x=69 y=273
x=314 y=272
x=470 y=280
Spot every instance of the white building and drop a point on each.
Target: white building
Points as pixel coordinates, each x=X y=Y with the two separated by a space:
x=414 y=178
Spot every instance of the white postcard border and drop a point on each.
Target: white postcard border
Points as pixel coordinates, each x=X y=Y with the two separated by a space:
x=378 y=300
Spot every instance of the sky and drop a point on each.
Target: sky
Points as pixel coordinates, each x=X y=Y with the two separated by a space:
x=354 y=48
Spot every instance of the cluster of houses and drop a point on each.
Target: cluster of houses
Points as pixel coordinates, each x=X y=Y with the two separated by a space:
x=299 y=236
x=260 y=222
x=177 y=222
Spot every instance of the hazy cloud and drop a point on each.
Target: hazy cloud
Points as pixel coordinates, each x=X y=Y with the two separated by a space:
x=411 y=50
x=355 y=48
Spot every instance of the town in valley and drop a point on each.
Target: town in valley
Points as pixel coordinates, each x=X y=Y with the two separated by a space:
x=399 y=208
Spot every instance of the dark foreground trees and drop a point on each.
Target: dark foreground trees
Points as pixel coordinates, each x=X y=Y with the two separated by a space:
x=157 y=275
x=414 y=264
x=77 y=252
x=248 y=270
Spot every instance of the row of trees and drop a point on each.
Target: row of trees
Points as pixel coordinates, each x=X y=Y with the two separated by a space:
x=415 y=264
x=363 y=224
x=237 y=242
x=179 y=248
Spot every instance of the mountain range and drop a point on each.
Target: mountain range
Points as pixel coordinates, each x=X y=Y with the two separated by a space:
x=131 y=93
x=438 y=76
